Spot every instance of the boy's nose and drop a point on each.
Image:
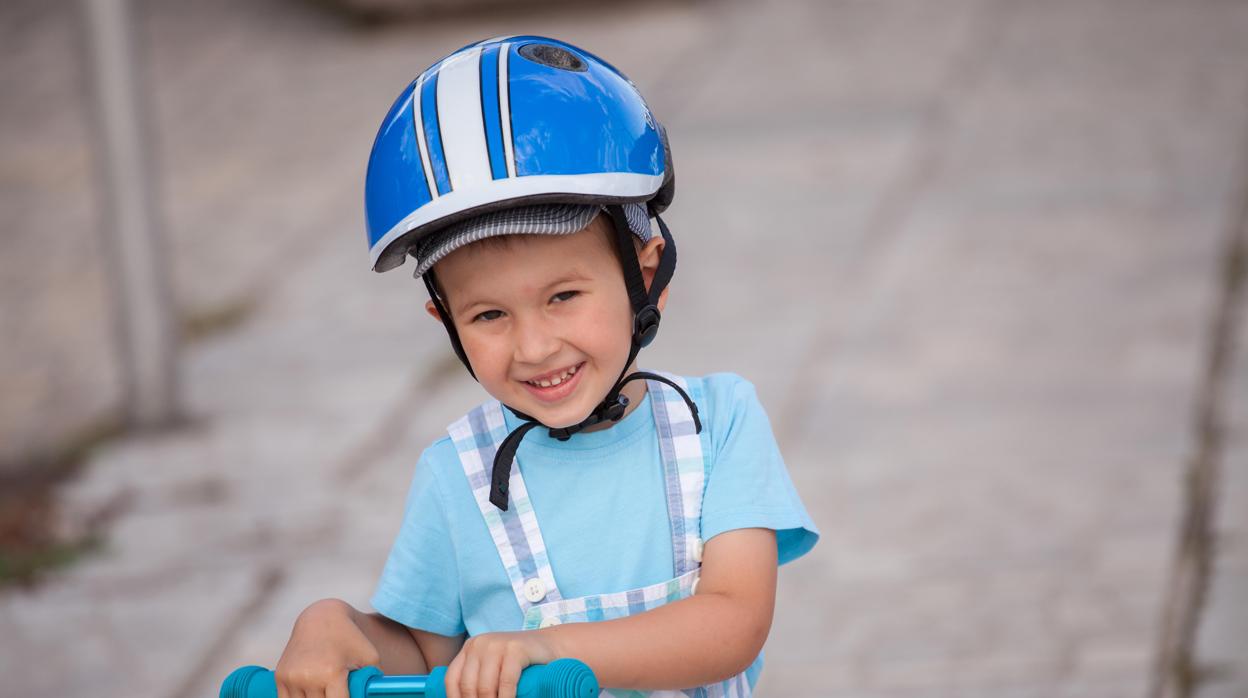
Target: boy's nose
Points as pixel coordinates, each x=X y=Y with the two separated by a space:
x=534 y=341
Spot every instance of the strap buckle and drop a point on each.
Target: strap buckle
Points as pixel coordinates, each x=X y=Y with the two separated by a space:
x=646 y=325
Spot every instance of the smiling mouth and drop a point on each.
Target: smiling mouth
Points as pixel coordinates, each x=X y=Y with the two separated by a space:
x=551 y=380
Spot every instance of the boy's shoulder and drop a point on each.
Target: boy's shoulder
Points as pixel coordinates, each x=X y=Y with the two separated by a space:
x=723 y=389
x=437 y=462
x=725 y=381
x=725 y=401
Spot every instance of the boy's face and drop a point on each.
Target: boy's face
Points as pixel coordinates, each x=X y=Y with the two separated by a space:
x=544 y=319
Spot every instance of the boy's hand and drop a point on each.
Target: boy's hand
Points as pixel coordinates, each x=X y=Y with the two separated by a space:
x=489 y=665
x=324 y=646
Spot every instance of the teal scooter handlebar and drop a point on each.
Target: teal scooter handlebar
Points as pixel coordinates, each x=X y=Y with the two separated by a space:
x=562 y=678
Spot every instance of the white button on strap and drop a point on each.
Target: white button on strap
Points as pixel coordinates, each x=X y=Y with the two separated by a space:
x=534 y=590
x=694 y=589
x=697 y=550
x=549 y=622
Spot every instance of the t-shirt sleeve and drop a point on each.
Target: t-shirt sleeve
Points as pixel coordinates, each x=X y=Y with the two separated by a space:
x=419 y=586
x=749 y=486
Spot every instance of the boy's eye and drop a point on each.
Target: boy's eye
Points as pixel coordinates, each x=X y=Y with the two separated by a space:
x=564 y=296
x=488 y=316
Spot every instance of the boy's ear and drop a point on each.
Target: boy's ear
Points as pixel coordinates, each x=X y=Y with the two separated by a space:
x=433 y=311
x=648 y=257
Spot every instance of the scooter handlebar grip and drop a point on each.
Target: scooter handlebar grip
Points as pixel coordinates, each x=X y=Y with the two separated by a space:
x=249 y=682
x=258 y=682
x=562 y=678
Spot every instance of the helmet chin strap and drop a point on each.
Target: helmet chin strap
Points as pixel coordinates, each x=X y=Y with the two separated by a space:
x=646 y=319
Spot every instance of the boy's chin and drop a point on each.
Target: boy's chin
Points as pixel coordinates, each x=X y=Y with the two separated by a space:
x=557 y=417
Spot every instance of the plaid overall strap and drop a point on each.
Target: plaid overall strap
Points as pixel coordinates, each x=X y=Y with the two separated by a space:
x=684 y=471
x=477 y=435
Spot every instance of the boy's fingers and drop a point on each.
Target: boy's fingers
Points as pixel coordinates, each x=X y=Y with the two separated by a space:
x=490 y=666
x=468 y=677
x=509 y=675
x=452 y=676
x=337 y=689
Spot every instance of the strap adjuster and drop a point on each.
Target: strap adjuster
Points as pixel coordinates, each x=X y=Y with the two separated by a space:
x=615 y=412
x=646 y=325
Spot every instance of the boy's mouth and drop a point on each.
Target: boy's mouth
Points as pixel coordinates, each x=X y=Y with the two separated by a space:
x=555 y=385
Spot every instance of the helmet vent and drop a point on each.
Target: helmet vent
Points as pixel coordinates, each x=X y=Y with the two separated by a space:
x=553 y=56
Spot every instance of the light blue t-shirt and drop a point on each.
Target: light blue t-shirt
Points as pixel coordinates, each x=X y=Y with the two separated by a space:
x=599 y=500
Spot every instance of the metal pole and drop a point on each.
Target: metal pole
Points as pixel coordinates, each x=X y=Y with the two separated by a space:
x=134 y=248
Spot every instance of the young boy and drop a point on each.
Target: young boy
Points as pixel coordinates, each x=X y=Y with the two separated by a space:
x=629 y=519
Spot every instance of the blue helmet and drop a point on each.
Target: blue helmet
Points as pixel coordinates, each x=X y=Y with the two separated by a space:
x=508 y=122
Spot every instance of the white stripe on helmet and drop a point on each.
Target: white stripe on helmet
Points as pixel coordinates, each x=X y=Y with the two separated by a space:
x=418 y=118
x=504 y=108
x=459 y=117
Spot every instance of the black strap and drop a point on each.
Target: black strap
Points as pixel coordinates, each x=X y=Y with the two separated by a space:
x=693 y=408
x=502 y=464
x=447 y=322
x=633 y=279
x=645 y=302
x=667 y=264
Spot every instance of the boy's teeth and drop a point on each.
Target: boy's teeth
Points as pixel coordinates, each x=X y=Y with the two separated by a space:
x=546 y=383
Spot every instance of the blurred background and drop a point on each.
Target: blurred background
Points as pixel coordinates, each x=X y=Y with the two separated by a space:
x=984 y=260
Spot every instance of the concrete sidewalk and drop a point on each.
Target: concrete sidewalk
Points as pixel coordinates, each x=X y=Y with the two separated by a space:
x=968 y=252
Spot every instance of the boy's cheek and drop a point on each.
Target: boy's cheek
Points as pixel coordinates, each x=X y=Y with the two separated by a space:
x=483 y=351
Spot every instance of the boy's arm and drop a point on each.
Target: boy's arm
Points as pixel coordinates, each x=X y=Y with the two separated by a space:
x=437 y=650
x=395 y=643
x=331 y=637
x=705 y=638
